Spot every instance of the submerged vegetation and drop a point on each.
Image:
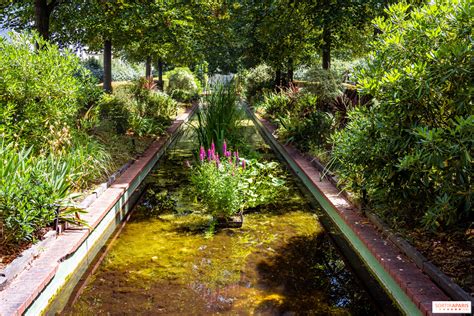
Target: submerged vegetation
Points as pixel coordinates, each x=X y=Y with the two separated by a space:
x=279 y=261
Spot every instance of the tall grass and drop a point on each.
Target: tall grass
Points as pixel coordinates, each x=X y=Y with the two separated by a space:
x=219 y=117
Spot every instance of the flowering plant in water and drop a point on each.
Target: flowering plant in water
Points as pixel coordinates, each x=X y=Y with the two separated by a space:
x=229 y=184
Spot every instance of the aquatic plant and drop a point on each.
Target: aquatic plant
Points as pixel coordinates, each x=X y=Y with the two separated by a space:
x=229 y=184
x=217 y=181
x=219 y=118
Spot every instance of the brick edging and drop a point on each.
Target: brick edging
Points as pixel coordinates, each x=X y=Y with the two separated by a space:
x=411 y=279
x=17 y=296
x=453 y=290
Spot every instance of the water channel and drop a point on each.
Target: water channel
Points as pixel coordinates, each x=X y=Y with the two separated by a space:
x=166 y=261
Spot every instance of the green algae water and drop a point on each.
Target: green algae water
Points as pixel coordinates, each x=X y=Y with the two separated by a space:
x=168 y=261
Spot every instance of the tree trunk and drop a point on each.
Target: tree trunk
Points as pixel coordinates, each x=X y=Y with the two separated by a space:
x=278 y=79
x=160 y=74
x=108 y=66
x=148 y=75
x=290 y=71
x=42 y=13
x=326 y=49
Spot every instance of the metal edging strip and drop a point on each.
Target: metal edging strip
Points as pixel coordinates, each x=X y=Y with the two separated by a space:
x=385 y=279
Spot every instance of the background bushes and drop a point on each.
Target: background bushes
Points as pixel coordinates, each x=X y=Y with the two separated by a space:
x=122 y=70
x=183 y=86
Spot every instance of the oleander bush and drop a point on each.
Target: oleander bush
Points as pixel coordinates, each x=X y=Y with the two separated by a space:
x=410 y=154
x=47 y=104
x=40 y=92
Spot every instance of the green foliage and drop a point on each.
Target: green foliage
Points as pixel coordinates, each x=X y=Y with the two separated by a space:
x=299 y=118
x=87 y=159
x=275 y=104
x=231 y=184
x=138 y=108
x=218 y=119
x=182 y=78
x=312 y=129
x=160 y=104
x=325 y=84
x=95 y=67
x=217 y=185
x=184 y=96
x=31 y=189
x=257 y=79
x=123 y=70
x=262 y=183
x=115 y=109
x=411 y=153
x=40 y=92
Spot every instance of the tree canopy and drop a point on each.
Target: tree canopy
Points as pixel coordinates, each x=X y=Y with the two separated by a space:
x=226 y=34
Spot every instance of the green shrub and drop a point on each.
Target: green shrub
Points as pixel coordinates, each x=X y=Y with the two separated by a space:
x=217 y=185
x=40 y=92
x=116 y=109
x=229 y=184
x=257 y=79
x=275 y=104
x=160 y=104
x=325 y=84
x=123 y=70
x=87 y=160
x=139 y=108
x=182 y=78
x=184 y=96
x=306 y=131
x=411 y=153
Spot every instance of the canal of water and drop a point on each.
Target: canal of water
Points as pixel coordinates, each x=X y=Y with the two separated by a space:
x=167 y=261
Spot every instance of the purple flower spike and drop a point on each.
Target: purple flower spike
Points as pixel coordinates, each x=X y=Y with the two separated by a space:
x=209 y=155
x=228 y=154
x=202 y=153
x=237 y=154
x=224 y=147
x=213 y=148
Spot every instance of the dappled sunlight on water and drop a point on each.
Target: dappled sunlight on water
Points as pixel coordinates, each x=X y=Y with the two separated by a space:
x=279 y=262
